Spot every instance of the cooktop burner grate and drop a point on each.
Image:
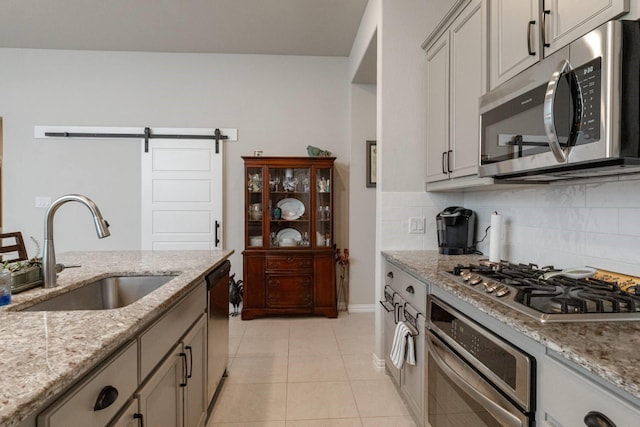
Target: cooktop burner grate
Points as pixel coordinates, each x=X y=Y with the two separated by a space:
x=605 y=296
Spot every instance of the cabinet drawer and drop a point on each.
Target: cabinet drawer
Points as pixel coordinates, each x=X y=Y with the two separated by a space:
x=76 y=408
x=156 y=341
x=392 y=276
x=289 y=291
x=415 y=292
x=291 y=262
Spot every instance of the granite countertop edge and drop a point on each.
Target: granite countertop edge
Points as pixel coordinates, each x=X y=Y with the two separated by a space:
x=606 y=349
x=44 y=353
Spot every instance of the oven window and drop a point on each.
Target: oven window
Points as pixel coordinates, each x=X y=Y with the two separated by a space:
x=450 y=406
x=501 y=363
x=515 y=129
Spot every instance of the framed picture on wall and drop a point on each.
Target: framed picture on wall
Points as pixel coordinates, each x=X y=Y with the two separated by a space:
x=372 y=172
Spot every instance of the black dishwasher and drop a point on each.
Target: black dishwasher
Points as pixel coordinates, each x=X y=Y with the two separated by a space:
x=217 y=327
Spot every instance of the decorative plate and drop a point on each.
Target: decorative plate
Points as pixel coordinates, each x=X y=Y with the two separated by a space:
x=291 y=208
x=289 y=233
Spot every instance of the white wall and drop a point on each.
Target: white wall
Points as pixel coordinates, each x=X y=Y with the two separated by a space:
x=362 y=200
x=280 y=104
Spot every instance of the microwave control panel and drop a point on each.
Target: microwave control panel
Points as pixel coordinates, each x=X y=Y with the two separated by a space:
x=589 y=79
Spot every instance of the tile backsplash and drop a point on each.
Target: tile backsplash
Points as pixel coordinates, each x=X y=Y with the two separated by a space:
x=591 y=223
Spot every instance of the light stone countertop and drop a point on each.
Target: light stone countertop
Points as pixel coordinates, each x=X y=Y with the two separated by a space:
x=42 y=353
x=609 y=350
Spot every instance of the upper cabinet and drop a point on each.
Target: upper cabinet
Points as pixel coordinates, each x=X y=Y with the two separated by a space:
x=456 y=78
x=513 y=37
x=523 y=32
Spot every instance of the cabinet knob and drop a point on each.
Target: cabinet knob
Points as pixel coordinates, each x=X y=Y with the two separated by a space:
x=597 y=419
x=390 y=275
x=107 y=396
x=410 y=289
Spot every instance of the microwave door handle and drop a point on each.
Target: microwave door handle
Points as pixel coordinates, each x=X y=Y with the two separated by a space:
x=502 y=415
x=548 y=119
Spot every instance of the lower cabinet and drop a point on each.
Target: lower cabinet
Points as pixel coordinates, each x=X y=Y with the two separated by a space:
x=296 y=281
x=161 y=398
x=405 y=300
x=195 y=392
x=129 y=417
x=159 y=379
x=99 y=397
x=568 y=398
x=174 y=396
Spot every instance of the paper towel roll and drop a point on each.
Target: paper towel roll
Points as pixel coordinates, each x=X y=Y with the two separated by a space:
x=494 y=237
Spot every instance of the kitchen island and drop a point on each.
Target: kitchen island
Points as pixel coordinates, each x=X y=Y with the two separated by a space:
x=607 y=350
x=43 y=353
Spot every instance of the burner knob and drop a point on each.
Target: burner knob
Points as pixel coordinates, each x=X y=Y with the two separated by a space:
x=501 y=291
x=465 y=275
x=490 y=287
x=475 y=279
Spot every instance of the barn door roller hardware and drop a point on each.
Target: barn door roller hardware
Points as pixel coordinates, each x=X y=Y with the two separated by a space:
x=147 y=135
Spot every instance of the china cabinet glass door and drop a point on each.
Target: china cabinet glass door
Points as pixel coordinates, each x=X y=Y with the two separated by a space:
x=255 y=210
x=289 y=207
x=323 y=208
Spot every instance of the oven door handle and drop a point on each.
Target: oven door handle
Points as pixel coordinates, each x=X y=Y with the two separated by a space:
x=505 y=417
x=548 y=118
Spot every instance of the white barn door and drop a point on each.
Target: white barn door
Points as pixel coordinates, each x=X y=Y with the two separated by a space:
x=182 y=194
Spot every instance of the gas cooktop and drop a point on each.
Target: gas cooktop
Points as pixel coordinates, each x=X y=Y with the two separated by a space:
x=605 y=296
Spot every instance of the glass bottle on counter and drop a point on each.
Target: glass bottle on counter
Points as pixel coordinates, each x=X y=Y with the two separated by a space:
x=5 y=287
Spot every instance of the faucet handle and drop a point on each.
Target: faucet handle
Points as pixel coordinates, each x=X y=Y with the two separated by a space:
x=60 y=267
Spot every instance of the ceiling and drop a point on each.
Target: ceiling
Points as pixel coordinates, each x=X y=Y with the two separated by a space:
x=278 y=27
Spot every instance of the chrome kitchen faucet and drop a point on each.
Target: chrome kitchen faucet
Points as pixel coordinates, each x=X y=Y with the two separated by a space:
x=49 y=254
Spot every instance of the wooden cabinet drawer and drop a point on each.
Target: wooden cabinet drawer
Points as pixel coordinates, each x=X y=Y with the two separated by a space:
x=289 y=291
x=76 y=408
x=292 y=262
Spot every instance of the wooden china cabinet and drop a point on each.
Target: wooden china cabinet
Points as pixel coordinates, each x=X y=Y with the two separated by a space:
x=288 y=260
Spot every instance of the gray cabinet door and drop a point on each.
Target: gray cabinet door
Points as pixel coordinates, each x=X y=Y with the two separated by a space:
x=514 y=38
x=437 y=109
x=195 y=405
x=161 y=398
x=467 y=50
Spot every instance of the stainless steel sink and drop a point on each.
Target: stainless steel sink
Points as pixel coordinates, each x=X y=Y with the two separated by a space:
x=110 y=292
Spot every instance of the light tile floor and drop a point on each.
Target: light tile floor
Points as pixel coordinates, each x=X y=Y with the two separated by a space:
x=306 y=372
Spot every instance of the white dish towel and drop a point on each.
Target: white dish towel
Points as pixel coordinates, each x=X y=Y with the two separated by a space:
x=403 y=347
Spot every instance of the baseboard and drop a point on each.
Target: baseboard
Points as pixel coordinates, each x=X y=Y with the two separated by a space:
x=377 y=362
x=362 y=308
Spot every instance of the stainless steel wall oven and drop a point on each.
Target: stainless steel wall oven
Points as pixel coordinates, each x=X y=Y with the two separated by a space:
x=474 y=378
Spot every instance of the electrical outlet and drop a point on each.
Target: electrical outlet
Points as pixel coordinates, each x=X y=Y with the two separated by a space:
x=43 y=201
x=416 y=225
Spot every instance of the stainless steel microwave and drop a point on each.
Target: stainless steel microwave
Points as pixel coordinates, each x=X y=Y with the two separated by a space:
x=574 y=114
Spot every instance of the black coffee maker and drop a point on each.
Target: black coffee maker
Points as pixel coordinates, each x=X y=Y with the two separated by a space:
x=456 y=230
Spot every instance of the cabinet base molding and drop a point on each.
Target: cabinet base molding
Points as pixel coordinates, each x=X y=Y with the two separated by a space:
x=249 y=314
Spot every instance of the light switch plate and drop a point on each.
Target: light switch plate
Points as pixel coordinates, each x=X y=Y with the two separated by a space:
x=416 y=225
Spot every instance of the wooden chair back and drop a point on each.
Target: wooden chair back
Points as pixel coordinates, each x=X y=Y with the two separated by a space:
x=17 y=248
